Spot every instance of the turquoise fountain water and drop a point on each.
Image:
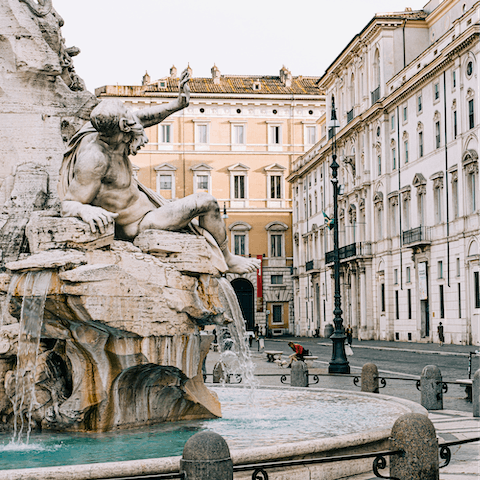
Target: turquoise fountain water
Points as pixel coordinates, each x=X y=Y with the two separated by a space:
x=279 y=416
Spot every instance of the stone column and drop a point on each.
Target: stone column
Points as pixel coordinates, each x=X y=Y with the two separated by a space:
x=431 y=388
x=415 y=434
x=476 y=394
x=206 y=456
x=299 y=375
x=354 y=301
x=370 y=378
x=363 y=301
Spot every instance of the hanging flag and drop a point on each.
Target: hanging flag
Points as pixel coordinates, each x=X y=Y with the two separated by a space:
x=330 y=222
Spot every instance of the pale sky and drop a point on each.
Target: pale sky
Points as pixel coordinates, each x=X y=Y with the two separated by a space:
x=121 y=39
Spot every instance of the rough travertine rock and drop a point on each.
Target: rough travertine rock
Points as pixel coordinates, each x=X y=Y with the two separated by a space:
x=45 y=233
x=49 y=259
x=189 y=253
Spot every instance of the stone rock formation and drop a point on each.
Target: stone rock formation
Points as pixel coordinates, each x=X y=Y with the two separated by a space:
x=95 y=333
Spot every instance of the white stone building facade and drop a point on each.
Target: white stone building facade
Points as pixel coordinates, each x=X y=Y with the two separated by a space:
x=406 y=90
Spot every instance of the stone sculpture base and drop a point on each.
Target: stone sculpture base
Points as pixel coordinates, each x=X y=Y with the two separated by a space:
x=120 y=344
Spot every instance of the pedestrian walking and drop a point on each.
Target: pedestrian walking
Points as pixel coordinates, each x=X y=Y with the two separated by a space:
x=349 y=333
x=441 y=337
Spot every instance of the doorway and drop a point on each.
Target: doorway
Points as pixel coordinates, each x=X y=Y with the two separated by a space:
x=245 y=295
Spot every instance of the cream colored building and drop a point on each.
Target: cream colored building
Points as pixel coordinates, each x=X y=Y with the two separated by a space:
x=237 y=140
x=406 y=90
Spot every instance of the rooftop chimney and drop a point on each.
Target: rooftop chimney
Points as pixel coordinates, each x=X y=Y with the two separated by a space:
x=146 y=79
x=286 y=77
x=216 y=75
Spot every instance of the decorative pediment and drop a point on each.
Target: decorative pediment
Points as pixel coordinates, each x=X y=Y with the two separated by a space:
x=419 y=126
x=240 y=226
x=454 y=104
x=405 y=136
x=437 y=179
x=392 y=143
x=276 y=226
x=436 y=175
x=470 y=93
x=361 y=204
x=378 y=197
x=418 y=180
x=436 y=116
x=165 y=167
x=469 y=156
x=275 y=167
x=238 y=167
x=201 y=167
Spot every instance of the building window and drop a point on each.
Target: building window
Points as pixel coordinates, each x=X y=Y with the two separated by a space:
x=438 y=204
x=420 y=144
x=394 y=159
x=397 y=309
x=421 y=209
x=395 y=276
x=455 y=197
x=454 y=79
x=458 y=266
x=455 y=124
x=277 y=314
x=406 y=214
x=405 y=114
x=436 y=91
x=238 y=134
x=405 y=148
x=440 y=269
x=471 y=118
x=419 y=104
x=202 y=134
x=392 y=122
x=202 y=182
x=379 y=160
x=476 y=276
x=437 y=134
x=310 y=134
x=239 y=244
x=275 y=135
x=459 y=290
x=165 y=182
x=379 y=223
x=409 y=278
x=409 y=303
x=239 y=186
x=164 y=133
x=276 y=246
x=276 y=279
x=471 y=181
x=442 y=302
x=276 y=186
x=382 y=296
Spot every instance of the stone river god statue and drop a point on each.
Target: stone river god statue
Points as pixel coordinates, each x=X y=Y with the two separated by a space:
x=104 y=293
x=96 y=182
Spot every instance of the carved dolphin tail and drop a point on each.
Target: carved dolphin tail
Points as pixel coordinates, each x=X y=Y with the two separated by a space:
x=40 y=7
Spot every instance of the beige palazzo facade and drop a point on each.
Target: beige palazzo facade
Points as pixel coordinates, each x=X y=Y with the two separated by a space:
x=237 y=140
x=406 y=90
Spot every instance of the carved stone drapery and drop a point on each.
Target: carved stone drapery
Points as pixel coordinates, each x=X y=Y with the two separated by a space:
x=454 y=176
x=438 y=182
x=406 y=196
x=361 y=204
x=421 y=190
x=352 y=213
x=393 y=201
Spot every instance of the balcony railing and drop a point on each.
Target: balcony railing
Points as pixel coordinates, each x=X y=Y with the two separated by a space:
x=350 y=115
x=376 y=95
x=416 y=235
x=361 y=249
x=312 y=265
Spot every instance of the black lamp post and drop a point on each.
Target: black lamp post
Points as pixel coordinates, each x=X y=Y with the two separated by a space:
x=339 y=362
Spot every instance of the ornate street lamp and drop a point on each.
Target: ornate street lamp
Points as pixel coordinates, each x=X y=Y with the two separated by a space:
x=339 y=362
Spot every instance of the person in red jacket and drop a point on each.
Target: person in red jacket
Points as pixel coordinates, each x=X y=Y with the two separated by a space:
x=300 y=352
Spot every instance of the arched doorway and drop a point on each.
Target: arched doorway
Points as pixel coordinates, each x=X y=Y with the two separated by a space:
x=244 y=290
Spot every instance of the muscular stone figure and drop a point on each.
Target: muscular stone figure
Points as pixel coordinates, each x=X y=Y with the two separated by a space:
x=96 y=182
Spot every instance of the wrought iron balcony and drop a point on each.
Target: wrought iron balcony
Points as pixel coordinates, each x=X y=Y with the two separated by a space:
x=361 y=249
x=376 y=95
x=416 y=236
x=312 y=265
x=350 y=115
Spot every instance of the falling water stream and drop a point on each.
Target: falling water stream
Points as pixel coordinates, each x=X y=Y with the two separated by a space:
x=235 y=354
x=36 y=285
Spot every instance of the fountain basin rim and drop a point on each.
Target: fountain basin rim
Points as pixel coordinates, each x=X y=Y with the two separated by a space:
x=98 y=471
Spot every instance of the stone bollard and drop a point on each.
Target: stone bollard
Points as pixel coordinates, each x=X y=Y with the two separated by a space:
x=206 y=456
x=415 y=434
x=299 y=375
x=476 y=394
x=370 y=378
x=220 y=374
x=431 y=388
